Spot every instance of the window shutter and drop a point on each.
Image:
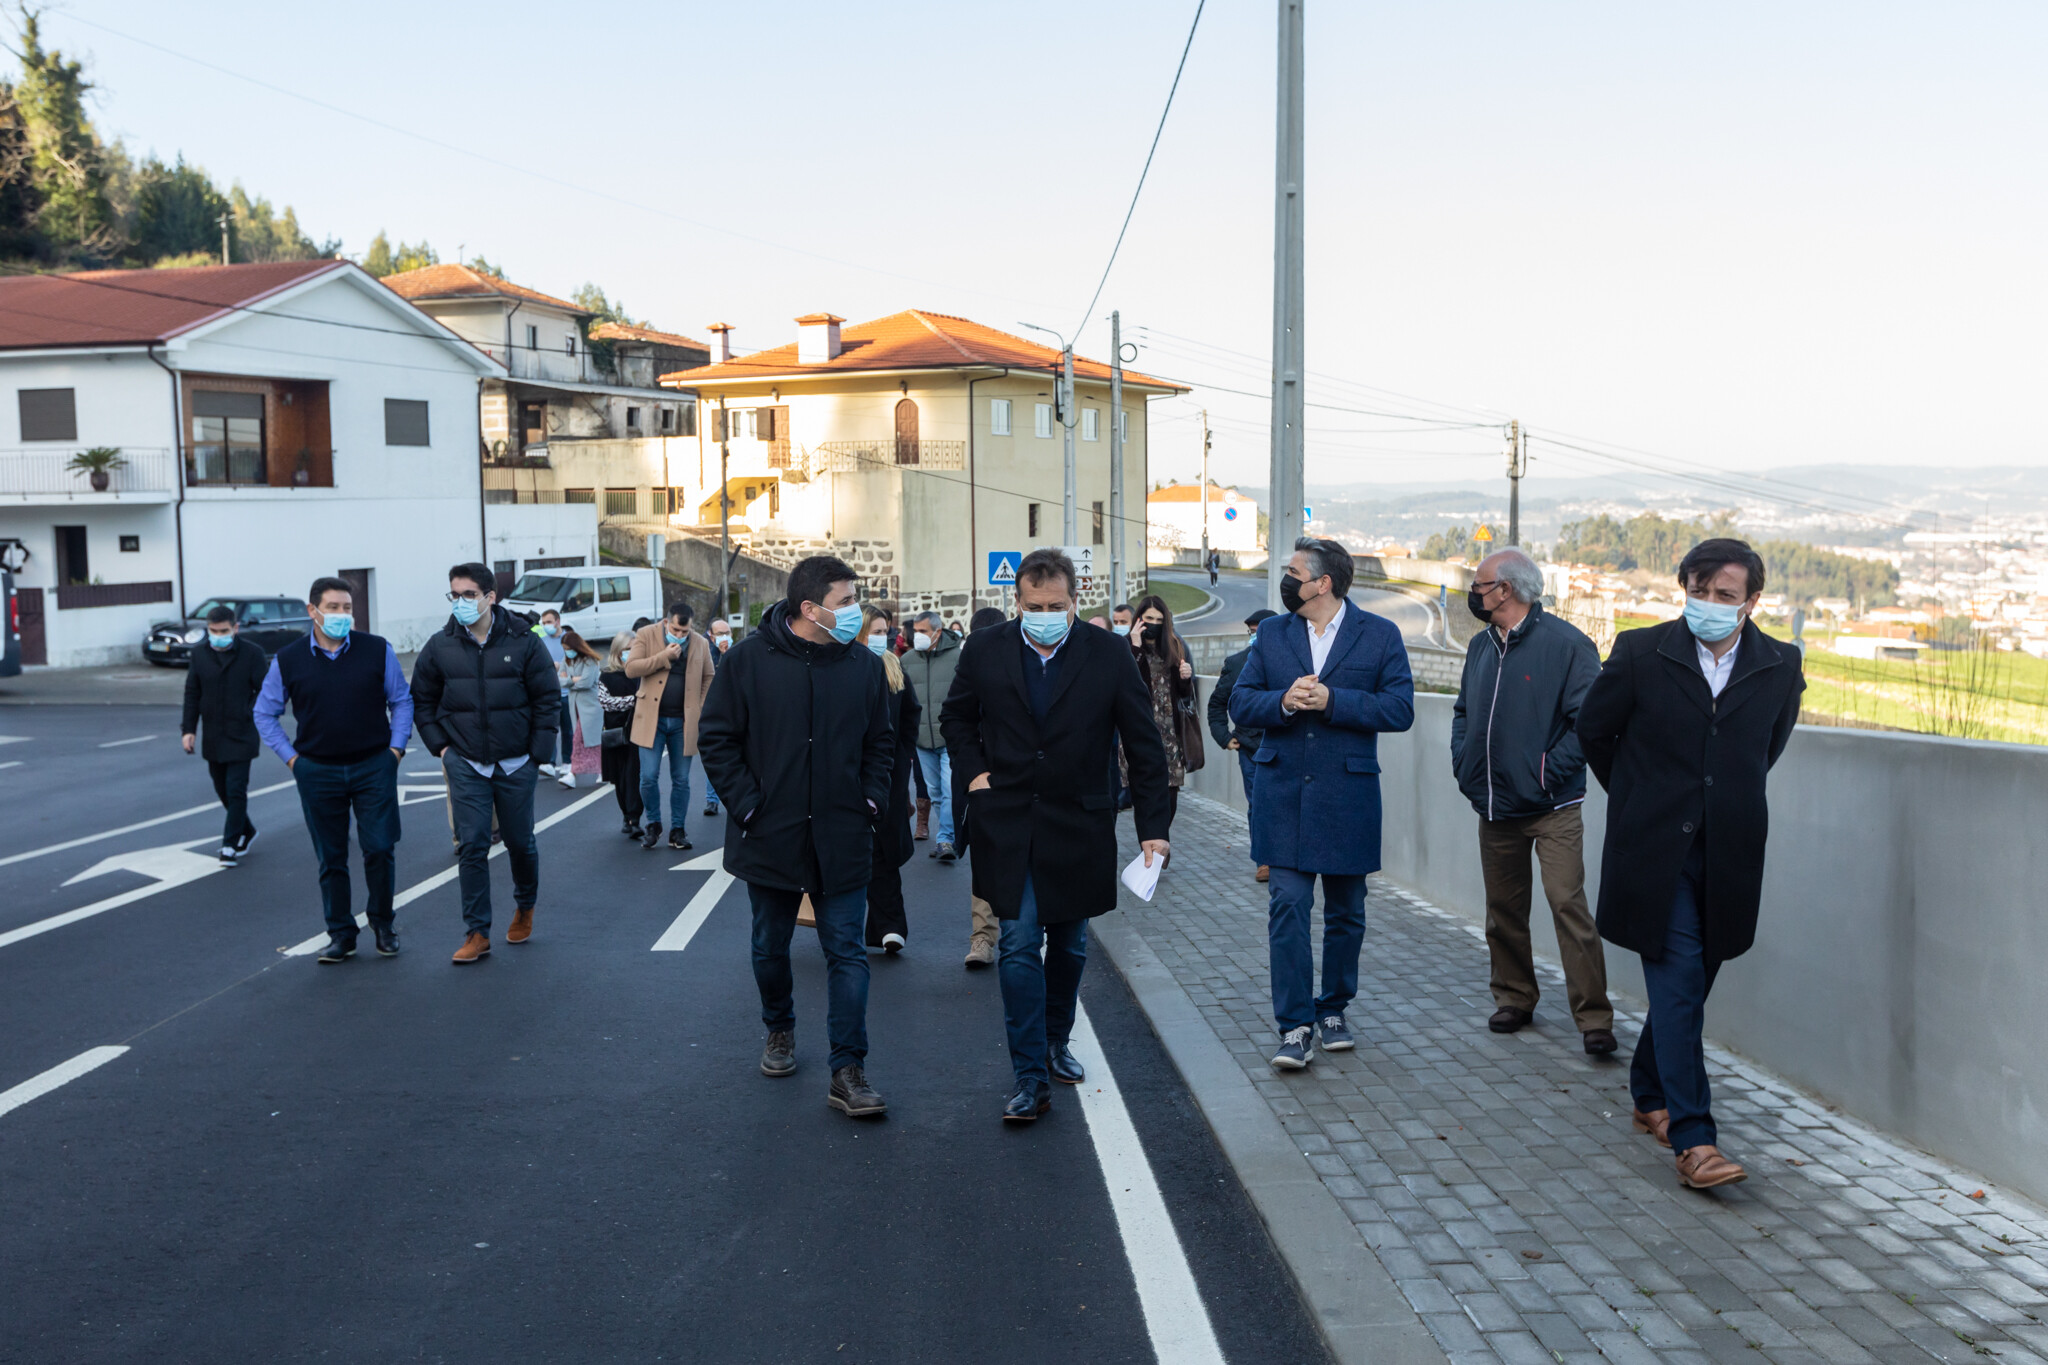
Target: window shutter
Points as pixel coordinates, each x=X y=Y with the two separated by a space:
x=49 y=415
x=405 y=422
x=718 y=424
x=764 y=423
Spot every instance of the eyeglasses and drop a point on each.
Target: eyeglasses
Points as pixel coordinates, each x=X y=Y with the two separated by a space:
x=1484 y=588
x=471 y=596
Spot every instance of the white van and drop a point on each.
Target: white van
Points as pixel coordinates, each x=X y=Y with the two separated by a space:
x=595 y=603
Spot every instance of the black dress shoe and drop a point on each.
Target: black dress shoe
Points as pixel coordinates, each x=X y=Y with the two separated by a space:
x=387 y=939
x=1063 y=1067
x=1599 y=1041
x=1027 y=1104
x=632 y=829
x=852 y=1096
x=1507 y=1019
x=337 y=950
x=652 y=838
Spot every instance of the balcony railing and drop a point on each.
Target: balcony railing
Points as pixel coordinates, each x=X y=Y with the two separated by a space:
x=28 y=473
x=73 y=596
x=841 y=457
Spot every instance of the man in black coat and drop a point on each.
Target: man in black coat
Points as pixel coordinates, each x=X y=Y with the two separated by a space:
x=221 y=684
x=1034 y=707
x=798 y=739
x=488 y=705
x=1682 y=727
x=1243 y=741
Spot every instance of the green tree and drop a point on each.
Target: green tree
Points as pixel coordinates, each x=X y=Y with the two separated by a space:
x=1457 y=543
x=260 y=233
x=607 y=310
x=383 y=259
x=66 y=162
x=19 y=200
x=1803 y=573
x=177 y=212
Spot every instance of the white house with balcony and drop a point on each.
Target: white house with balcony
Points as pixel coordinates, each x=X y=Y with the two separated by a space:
x=270 y=424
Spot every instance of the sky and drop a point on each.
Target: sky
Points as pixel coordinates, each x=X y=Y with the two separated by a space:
x=1736 y=237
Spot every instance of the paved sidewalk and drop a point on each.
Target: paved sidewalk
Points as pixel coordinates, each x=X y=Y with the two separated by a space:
x=1498 y=1181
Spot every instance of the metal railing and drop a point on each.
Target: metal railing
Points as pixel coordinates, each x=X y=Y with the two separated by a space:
x=31 y=472
x=840 y=457
x=74 y=596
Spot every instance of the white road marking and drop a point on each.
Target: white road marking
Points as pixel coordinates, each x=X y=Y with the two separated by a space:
x=440 y=879
x=168 y=866
x=1175 y=1317
x=212 y=806
x=64 y=1072
x=412 y=793
x=117 y=743
x=15 y=739
x=15 y=764
x=678 y=935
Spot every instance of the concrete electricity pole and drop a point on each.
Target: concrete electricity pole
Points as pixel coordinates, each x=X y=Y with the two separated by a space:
x=724 y=518
x=1518 y=463
x=1116 y=458
x=1284 y=516
x=1205 y=490
x=1063 y=408
x=224 y=240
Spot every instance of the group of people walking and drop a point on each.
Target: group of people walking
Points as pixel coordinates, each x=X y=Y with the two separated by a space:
x=1027 y=736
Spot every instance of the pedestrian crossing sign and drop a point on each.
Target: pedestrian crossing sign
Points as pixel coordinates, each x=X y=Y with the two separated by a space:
x=1002 y=567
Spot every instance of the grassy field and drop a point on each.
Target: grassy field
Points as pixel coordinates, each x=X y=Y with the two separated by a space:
x=1180 y=598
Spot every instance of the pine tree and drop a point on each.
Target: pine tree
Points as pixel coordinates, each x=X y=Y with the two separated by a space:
x=177 y=213
x=66 y=162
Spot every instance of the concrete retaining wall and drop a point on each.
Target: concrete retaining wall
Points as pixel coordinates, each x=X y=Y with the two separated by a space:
x=1901 y=965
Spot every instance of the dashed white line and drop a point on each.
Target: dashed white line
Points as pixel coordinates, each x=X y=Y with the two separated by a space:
x=678 y=935
x=1175 y=1317
x=213 y=806
x=64 y=1072
x=15 y=764
x=117 y=743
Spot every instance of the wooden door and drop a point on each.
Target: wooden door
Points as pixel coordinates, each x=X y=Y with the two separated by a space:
x=906 y=432
x=34 y=649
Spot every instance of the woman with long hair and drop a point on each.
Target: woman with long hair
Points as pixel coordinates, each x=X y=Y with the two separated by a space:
x=888 y=922
x=618 y=756
x=580 y=668
x=1170 y=680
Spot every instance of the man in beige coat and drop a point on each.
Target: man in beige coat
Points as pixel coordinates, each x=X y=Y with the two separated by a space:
x=674 y=665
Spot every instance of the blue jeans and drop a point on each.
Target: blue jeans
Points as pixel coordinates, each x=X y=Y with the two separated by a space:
x=841 y=920
x=1670 y=1066
x=1249 y=769
x=668 y=734
x=472 y=797
x=1040 y=994
x=567 y=736
x=1292 y=896
x=710 y=796
x=937 y=767
x=327 y=793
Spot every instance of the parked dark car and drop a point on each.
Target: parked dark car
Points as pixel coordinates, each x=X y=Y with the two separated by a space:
x=270 y=623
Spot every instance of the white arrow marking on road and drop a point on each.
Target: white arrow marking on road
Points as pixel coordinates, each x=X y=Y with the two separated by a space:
x=168 y=866
x=15 y=764
x=117 y=743
x=14 y=739
x=412 y=793
x=678 y=935
x=37 y=1086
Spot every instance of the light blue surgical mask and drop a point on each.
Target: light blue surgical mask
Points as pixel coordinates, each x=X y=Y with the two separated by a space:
x=846 y=623
x=1046 y=627
x=879 y=643
x=673 y=639
x=1711 y=622
x=336 y=625
x=1121 y=628
x=548 y=628
x=625 y=654
x=467 y=609
x=226 y=641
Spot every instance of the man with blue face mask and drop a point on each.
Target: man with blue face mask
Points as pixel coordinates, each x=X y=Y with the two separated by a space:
x=220 y=689
x=798 y=735
x=1682 y=727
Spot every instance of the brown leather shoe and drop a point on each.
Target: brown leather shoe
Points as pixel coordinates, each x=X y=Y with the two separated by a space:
x=924 y=817
x=521 y=928
x=1507 y=1019
x=1703 y=1167
x=474 y=947
x=1657 y=1123
x=1263 y=873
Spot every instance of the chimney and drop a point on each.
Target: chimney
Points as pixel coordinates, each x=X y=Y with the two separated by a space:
x=721 y=342
x=817 y=338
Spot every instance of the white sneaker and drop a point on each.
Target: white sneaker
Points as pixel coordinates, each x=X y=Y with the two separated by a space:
x=567 y=777
x=892 y=943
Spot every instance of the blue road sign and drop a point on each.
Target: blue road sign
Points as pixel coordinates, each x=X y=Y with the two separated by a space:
x=1230 y=514
x=1308 y=514
x=1002 y=567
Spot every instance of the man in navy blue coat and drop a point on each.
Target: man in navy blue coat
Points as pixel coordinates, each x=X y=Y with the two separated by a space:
x=1321 y=683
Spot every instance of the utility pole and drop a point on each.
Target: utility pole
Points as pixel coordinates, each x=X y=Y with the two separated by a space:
x=1205 y=490
x=1116 y=458
x=724 y=519
x=224 y=220
x=1068 y=417
x=1518 y=464
x=1284 y=517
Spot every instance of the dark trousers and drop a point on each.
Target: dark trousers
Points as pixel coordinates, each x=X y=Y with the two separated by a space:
x=620 y=765
x=1670 y=1067
x=1291 y=898
x=1558 y=839
x=1040 y=992
x=475 y=798
x=1249 y=769
x=231 y=785
x=846 y=965
x=567 y=738
x=328 y=792
x=886 y=913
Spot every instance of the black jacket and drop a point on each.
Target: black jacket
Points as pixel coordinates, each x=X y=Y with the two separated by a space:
x=498 y=700
x=1219 y=707
x=1514 y=738
x=1680 y=765
x=799 y=741
x=1048 y=812
x=892 y=837
x=220 y=689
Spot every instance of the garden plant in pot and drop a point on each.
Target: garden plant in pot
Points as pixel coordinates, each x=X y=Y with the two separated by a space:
x=98 y=463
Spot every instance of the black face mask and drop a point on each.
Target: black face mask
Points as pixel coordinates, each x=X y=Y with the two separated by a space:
x=1153 y=635
x=1476 y=600
x=1290 y=593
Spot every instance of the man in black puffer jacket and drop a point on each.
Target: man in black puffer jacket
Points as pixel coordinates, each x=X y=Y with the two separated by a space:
x=1515 y=751
x=798 y=738
x=488 y=704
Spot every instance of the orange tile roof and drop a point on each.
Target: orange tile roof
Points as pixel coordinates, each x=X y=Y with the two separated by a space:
x=910 y=340
x=622 y=331
x=461 y=281
x=1188 y=492
x=133 y=307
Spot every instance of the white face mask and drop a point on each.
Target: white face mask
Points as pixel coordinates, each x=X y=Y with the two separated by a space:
x=920 y=642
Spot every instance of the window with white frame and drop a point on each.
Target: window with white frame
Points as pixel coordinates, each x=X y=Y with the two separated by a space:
x=999 y=417
x=741 y=424
x=1091 y=424
x=1042 y=416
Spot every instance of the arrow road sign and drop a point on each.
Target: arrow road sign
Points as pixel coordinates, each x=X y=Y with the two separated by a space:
x=168 y=866
x=1002 y=567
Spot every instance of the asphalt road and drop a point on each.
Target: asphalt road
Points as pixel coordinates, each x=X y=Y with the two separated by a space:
x=562 y=1153
x=1244 y=593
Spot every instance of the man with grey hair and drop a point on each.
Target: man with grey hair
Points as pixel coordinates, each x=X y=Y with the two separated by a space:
x=929 y=663
x=1515 y=752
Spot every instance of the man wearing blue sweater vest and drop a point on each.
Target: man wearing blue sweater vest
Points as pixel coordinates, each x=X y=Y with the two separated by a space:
x=354 y=714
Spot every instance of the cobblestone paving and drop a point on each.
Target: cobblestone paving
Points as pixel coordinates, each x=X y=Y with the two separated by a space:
x=1499 y=1182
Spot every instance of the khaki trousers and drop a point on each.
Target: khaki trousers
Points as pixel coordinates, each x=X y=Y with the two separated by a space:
x=987 y=928
x=1558 y=839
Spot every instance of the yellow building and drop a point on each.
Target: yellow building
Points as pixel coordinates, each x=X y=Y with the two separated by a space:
x=913 y=446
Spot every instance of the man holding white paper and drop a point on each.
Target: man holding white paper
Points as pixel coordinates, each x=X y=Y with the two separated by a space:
x=1034 y=707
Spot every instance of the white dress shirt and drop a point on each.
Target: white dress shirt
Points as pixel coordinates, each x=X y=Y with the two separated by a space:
x=1719 y=670
x=1319 y=644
